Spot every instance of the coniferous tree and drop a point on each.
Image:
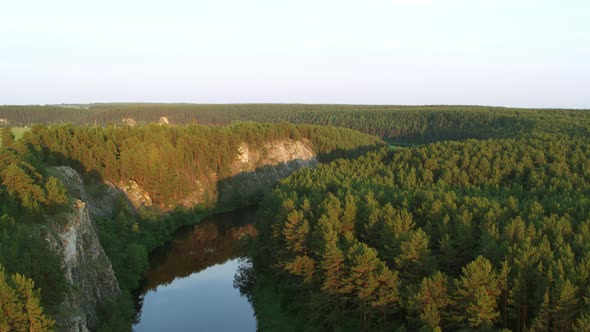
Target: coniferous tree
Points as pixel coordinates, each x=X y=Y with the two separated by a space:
x=476 y=294
x=56 y=193
x=20 y=308
x=415 y=261
x=431 y=301
x=7 y=138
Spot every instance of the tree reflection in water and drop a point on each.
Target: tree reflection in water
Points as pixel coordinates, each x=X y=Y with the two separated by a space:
x=197 y=247
x=245 y=278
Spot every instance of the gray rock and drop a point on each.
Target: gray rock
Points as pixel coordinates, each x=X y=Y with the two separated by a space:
x=87 y=268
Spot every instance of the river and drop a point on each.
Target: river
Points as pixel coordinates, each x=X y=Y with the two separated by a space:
x=190 y=284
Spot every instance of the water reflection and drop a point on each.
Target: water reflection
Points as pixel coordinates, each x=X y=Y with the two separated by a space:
x=245 y=277
x=190 y=284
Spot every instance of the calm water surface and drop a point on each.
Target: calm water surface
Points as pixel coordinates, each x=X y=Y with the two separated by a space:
x=190 y=285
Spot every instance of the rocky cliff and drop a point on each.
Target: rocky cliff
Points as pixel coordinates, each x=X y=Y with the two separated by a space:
x=255 y=170
x=87 y=268
x=252 y=172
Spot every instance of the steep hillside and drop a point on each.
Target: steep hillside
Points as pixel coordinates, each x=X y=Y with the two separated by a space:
x=88 y=271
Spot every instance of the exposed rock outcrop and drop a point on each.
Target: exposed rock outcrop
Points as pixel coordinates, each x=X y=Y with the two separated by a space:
x=129 y=121
x=273 y=153
x=254 y=170
x=88 y=270
x=257 y=169
x=164 y=120
x=138 y=196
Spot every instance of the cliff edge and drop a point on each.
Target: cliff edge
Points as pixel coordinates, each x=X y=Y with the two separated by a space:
x=87 y=268
x=252 y=172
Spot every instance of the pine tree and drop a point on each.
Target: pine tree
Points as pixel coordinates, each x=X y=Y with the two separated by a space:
x=415 y=261
x=302 y=266
x=20 y=308
x=23 y=187
x=7 y=138
x=476 y=294
x=565 y=307
x=387 y=293
x=334 y=273
x=296 y=231
x=582 y=323
x=504 y=284
x=542 y=321
x=348 y=218
x=35 y=318
x=56 y=193
x=10 y=307
x=431 y=300
x=363 y=277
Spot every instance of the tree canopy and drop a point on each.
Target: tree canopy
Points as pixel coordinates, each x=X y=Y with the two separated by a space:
x=477 y=234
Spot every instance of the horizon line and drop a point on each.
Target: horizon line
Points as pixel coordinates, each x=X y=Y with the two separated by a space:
x=293 y=103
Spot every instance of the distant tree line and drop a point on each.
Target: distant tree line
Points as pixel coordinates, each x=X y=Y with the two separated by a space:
x=403 y=123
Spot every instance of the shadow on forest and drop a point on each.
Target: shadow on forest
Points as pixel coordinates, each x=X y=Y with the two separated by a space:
x=248 y=187
x=242 y=189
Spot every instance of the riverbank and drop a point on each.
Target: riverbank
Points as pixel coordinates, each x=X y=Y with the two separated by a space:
x=190 y=284
x=129 y=251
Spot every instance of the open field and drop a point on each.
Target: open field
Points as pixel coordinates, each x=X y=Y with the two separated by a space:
x=18 y=132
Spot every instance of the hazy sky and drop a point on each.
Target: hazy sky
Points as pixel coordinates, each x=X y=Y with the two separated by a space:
x=491 y=52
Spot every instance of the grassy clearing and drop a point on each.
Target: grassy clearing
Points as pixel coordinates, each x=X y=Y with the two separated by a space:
x=397 y=145
x=18 y=132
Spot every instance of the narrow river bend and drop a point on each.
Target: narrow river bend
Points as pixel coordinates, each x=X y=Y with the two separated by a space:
x=190 y=284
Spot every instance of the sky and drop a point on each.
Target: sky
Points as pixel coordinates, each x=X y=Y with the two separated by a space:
x=520 y=53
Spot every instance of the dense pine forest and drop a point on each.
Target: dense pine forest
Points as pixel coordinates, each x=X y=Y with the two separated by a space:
x=482 y=223
x=458 y=235
x=476 y=234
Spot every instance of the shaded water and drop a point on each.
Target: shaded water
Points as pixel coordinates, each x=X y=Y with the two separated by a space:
x=190 y=284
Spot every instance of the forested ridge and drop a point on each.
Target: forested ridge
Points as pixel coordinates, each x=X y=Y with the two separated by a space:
x=477 y=234
x=402 y=123
x=168 y=161
x=165 y=160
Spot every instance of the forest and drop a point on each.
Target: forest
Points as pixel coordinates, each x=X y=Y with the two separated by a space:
x=398 y=123
x=481 y=223
x=469 y=235
x=166 y=160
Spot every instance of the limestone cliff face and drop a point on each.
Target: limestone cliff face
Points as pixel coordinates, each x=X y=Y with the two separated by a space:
x=87 y=268
x=138 y=196
x=253 y=171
